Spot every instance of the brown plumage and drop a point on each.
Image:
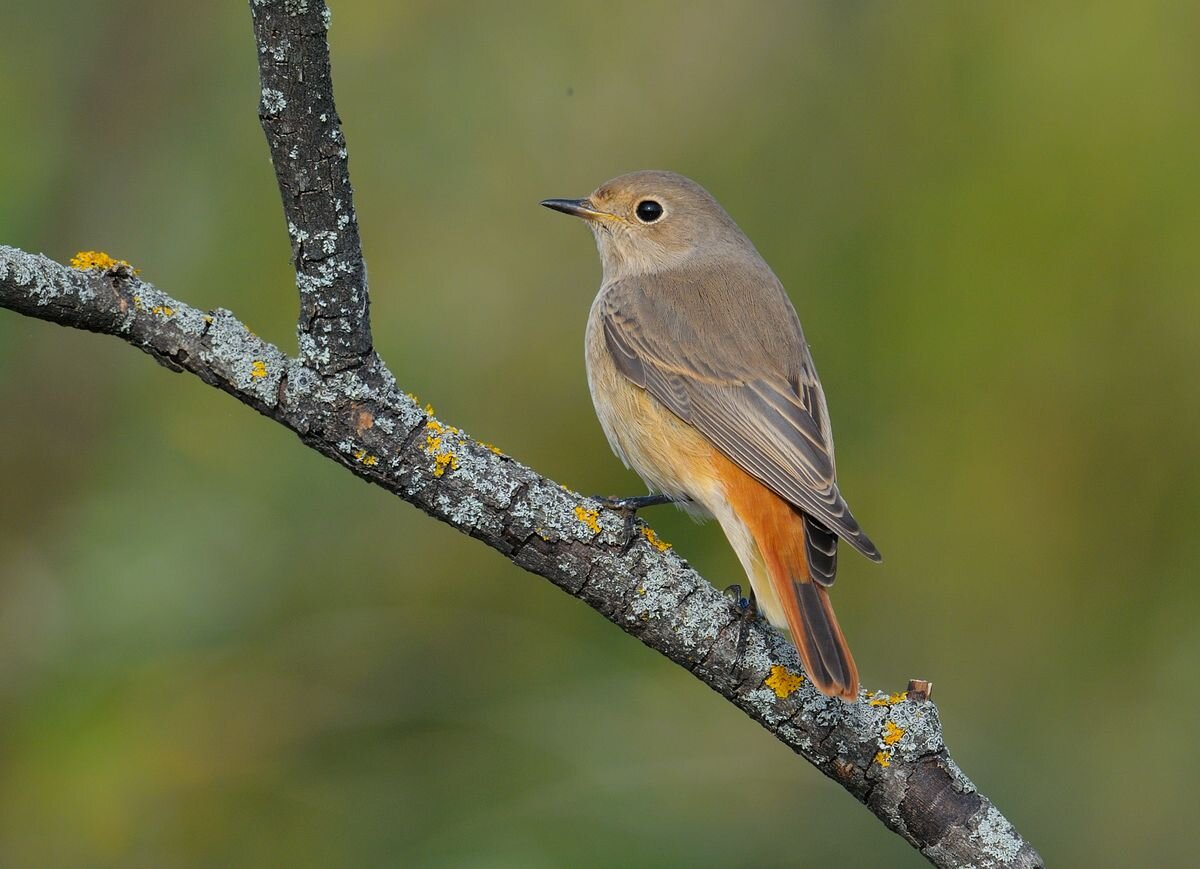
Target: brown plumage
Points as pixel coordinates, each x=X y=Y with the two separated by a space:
x=704 y=385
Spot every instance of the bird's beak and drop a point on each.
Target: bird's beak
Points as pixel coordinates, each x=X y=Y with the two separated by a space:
x=577 y=208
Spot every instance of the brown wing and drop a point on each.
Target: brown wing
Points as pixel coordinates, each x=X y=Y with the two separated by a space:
x=742 y=375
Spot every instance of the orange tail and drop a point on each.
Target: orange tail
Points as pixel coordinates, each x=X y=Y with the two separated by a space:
x=779 y=532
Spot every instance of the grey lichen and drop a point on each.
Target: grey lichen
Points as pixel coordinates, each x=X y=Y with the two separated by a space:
x=659 y=592
x=273 y=101
x=408 y=414
x=546 y=510
x=698 y=618
x=321 y=274
x=246 y=362
x=922 y=729
x=958 y=777
x=47 y=280
x=467 y=512
x=328 y=240
x=997 y=838
x=150 y=300
x=313 y=351
x=477 y=469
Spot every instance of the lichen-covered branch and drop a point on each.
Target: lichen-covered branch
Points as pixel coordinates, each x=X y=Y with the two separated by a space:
x=886 y=750
x=309 y=153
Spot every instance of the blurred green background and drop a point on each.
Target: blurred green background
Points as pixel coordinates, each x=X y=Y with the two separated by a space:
x=216 y=647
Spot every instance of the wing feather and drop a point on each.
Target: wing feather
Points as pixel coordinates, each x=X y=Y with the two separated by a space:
x=754 y=394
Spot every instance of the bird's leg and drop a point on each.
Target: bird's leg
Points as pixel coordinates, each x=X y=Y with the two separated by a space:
x=628 y=507
x=746 y=604
x=749 y=611
x=637 y=502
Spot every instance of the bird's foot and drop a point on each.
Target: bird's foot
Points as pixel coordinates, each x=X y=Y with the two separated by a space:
x=746 y=605
x=749 y=612
x=628 y=507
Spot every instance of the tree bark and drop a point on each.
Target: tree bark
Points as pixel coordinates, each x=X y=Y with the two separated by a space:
x=341 y=400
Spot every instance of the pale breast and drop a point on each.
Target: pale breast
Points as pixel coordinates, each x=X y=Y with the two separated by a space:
x=670 y=455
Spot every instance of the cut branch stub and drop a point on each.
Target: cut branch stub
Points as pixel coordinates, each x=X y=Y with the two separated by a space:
x=309 y=154
x=919 y=689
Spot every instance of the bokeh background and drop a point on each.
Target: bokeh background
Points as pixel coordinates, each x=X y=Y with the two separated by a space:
x=218 y=648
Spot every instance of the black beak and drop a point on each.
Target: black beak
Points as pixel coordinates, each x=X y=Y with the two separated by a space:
x=574 y=207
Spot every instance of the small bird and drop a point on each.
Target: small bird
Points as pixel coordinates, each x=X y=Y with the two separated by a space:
x=705 y=386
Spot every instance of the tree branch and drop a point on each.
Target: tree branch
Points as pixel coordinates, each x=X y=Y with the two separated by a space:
x=309 y=153
x=887 y=751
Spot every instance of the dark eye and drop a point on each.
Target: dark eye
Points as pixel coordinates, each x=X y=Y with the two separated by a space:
x=648 y=211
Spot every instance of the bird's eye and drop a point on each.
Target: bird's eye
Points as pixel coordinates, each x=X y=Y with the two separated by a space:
x=648 y=211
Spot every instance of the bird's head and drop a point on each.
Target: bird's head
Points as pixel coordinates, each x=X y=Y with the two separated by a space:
x=651 y=221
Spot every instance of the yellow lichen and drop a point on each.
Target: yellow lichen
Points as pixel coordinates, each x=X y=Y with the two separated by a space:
x=889 y=700
x=892 y=733
x=491 y=448
x=883 y=758
x=590 y=518
x=443 y=457
x=782 y=681
x=429 y=410
x=165 y=310
x=86 y=260
x=442 y=461
x=258 y=369
x=655 y=541
x=208 y=319
x=368 y=460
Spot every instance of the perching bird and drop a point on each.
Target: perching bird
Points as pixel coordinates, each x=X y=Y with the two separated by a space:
x=704 y=385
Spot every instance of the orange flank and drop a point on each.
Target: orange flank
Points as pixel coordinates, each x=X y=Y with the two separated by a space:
x=777 y=529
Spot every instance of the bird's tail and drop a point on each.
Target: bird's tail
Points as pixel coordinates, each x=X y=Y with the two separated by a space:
x=819 y=639
x=790 y=593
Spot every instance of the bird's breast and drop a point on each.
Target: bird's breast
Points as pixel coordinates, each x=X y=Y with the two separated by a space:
x=668 y=453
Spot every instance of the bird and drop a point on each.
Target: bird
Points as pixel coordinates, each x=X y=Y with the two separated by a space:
x=704 y=385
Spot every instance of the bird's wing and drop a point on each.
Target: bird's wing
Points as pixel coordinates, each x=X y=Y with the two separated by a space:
x=742 y=375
